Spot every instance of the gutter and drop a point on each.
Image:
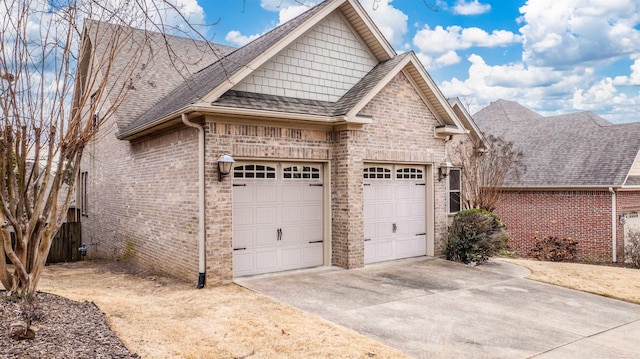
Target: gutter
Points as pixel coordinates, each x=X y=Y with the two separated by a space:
x=613 y=226
x=201 y=198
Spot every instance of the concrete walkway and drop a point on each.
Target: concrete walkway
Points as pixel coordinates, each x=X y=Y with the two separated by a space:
x=432 y=308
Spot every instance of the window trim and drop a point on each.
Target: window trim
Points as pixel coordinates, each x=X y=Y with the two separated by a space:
x=84 y=198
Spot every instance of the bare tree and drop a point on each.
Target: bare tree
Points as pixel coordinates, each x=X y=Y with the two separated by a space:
x=48 y=109
x=485 y=171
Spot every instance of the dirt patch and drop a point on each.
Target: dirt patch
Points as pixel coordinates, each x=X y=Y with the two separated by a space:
x=610 y=281
x=161 y=317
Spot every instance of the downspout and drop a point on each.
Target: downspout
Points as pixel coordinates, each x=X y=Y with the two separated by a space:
x=201 y=209
x=613 y=225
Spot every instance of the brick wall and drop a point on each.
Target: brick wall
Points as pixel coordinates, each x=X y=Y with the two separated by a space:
x=582 y=215
x=143 y=201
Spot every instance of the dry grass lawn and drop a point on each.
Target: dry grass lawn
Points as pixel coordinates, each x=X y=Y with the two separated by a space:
x=158 y=317
x=614 y=282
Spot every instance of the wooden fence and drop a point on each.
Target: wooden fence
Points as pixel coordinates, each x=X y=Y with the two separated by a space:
x=64 y=247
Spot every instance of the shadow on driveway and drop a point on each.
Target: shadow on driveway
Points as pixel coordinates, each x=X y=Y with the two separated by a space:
x=429 y=307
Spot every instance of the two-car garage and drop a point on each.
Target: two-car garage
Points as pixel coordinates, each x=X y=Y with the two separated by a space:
x=279 y=215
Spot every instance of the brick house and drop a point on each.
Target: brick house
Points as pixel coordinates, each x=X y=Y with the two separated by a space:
x=337 y=141
x=582 y=179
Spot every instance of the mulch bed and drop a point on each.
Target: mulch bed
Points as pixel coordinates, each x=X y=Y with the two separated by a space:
x=62 y=328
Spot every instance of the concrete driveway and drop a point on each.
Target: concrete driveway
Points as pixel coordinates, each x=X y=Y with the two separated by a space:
x=432 y=308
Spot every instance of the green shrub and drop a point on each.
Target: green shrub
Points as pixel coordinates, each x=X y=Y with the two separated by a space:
x=632 y=248
x=474 y=236
x=555 y=249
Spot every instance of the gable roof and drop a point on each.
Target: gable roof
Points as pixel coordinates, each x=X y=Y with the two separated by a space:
x=210 y=89
x=172 y=59
x=574 y=150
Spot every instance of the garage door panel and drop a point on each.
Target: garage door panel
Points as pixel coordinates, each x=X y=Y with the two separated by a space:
x=292 y=193
x=418 y=193
x=266 y=193
x=403 y=192
x=417 y=209
x=243 y=216
x=312 y=193
x=243 y=195
x=384 y=210
x=369 y=193
x=403 y=228
x=243 y=262
x=265 y=236
x=384 y=192
x=265 y=215
x=244 y=238
x=312 y=212
x=404 y=210
x=292 y=234
x=384 y=229
x=291 y=214
x=403 y=246
x=417 y=226
x=266 y=260
x=291 y=257
x=312 y=254
x=312 y=232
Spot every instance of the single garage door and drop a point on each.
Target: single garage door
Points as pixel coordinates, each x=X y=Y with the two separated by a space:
x=277 y=217
x=394 y=212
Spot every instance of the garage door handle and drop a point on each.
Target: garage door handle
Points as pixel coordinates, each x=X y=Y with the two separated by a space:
x=316 y=241
x=240 y=249
x=367 y=239
x=420 y=234
x=279 y=234
x=239 y=185
x=395 y=228
x=315 y=184
x=421 y=184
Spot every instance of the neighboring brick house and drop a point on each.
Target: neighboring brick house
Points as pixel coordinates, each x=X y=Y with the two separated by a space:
x=582 y=178
x=337 y=142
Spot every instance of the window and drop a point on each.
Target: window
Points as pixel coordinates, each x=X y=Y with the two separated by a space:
x=254 y=171
x=409 y=173
x=377 y=173
x=82 y=188
x=454 y=190
x=304 y=172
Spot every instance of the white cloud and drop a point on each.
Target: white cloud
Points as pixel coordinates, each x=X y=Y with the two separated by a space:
x=450 y=58
x=236 y=38
x=443 y=41
x=602 y=96
x=391 y=21
x=566 y=33
x=470 y=8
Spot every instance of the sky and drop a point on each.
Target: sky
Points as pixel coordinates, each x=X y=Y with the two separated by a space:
x=553 y=56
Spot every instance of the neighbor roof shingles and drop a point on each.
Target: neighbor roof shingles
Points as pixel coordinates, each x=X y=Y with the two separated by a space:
x=579 y=149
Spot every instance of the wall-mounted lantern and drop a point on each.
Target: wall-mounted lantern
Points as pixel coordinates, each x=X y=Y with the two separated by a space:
x=224 y=166
x=444 y=169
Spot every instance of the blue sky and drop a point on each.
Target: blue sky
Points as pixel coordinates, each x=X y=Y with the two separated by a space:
x=553 y=56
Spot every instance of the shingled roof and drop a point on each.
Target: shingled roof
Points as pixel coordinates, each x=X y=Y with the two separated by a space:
x=574 y=150
x=202 y=82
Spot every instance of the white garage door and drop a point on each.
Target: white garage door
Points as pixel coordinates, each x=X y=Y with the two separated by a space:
x=277 y=217
x=394 y=212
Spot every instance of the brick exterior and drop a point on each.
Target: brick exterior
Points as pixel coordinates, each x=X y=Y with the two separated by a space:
x=143 y=195
x=581 y=215
x=142 y=199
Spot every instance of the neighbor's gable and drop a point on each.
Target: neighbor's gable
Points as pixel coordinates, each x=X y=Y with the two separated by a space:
x=323 y=64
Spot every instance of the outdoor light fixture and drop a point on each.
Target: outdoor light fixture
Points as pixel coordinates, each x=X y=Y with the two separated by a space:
x=224 y=166
x=83 y=251
x=443 y=170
